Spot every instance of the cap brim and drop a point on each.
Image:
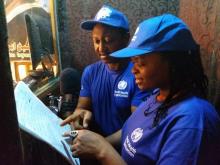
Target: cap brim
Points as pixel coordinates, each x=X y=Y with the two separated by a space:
x=88 y=25
x=128 y=52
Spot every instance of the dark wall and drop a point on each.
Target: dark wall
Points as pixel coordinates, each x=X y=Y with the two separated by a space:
x=203 y=18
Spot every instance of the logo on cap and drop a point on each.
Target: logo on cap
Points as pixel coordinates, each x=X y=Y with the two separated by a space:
x=103 y=13
x=135 y=35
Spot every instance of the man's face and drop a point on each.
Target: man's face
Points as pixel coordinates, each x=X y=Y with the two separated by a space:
x=107 y=40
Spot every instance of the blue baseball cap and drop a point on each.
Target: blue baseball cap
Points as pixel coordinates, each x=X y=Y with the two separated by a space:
x=108 y=16
x=158 y=34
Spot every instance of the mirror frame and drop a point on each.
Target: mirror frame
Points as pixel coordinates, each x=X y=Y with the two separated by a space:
x=25 y=58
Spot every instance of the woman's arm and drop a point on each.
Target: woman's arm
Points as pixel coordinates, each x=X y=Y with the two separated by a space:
x=115 y=138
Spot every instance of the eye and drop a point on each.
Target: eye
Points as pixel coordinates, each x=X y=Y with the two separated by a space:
x=136 y=61
x=96 y=41
x=133 y=60
x=108 y=39
x=139 y=64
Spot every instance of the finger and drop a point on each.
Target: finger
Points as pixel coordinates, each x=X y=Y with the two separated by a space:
x=75 y=155
x=86 y=120
x=67 y=120
x=72 y=148
x=77 y=125
x=70 y=119
x=72 y=134
x=65 y=134
x=74 y=151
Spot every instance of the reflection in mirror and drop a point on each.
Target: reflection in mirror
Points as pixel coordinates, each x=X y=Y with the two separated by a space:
x=31 y=50
x=41 y=44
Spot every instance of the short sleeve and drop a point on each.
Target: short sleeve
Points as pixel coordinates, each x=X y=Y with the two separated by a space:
x=86 y=83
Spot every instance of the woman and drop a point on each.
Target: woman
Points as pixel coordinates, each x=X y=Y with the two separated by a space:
x=176 y=125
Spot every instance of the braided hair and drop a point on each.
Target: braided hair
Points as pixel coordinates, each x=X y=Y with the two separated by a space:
x=187 y=79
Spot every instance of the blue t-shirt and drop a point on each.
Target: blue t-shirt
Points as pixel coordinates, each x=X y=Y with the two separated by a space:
x=112 y=94
x=188 y=135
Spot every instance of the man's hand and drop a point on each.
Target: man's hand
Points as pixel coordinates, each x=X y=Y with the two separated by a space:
x=80 y=119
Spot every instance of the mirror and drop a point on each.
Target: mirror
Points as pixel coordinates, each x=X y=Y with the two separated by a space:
x=32 y=41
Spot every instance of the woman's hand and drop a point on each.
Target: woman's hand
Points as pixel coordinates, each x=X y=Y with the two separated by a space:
x=88 y=144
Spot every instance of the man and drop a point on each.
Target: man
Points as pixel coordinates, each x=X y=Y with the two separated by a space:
x=108 y=92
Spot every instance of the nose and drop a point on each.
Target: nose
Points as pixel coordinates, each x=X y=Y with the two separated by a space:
x=102 y=47
x=134 y=69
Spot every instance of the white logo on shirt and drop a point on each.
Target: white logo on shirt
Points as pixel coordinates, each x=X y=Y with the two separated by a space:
x=136 y=134
x=129 y=148
x=122 y=85
x=135 y=35
x=103 y=13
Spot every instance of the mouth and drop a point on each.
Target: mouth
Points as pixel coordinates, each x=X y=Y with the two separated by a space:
x=138 y=80
x=105 y=58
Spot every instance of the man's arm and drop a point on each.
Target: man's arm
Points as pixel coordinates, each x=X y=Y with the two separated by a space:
x=114 y=139
x=84 y=103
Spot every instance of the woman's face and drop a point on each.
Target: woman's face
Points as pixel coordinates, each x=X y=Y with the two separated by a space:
x=151 y=71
